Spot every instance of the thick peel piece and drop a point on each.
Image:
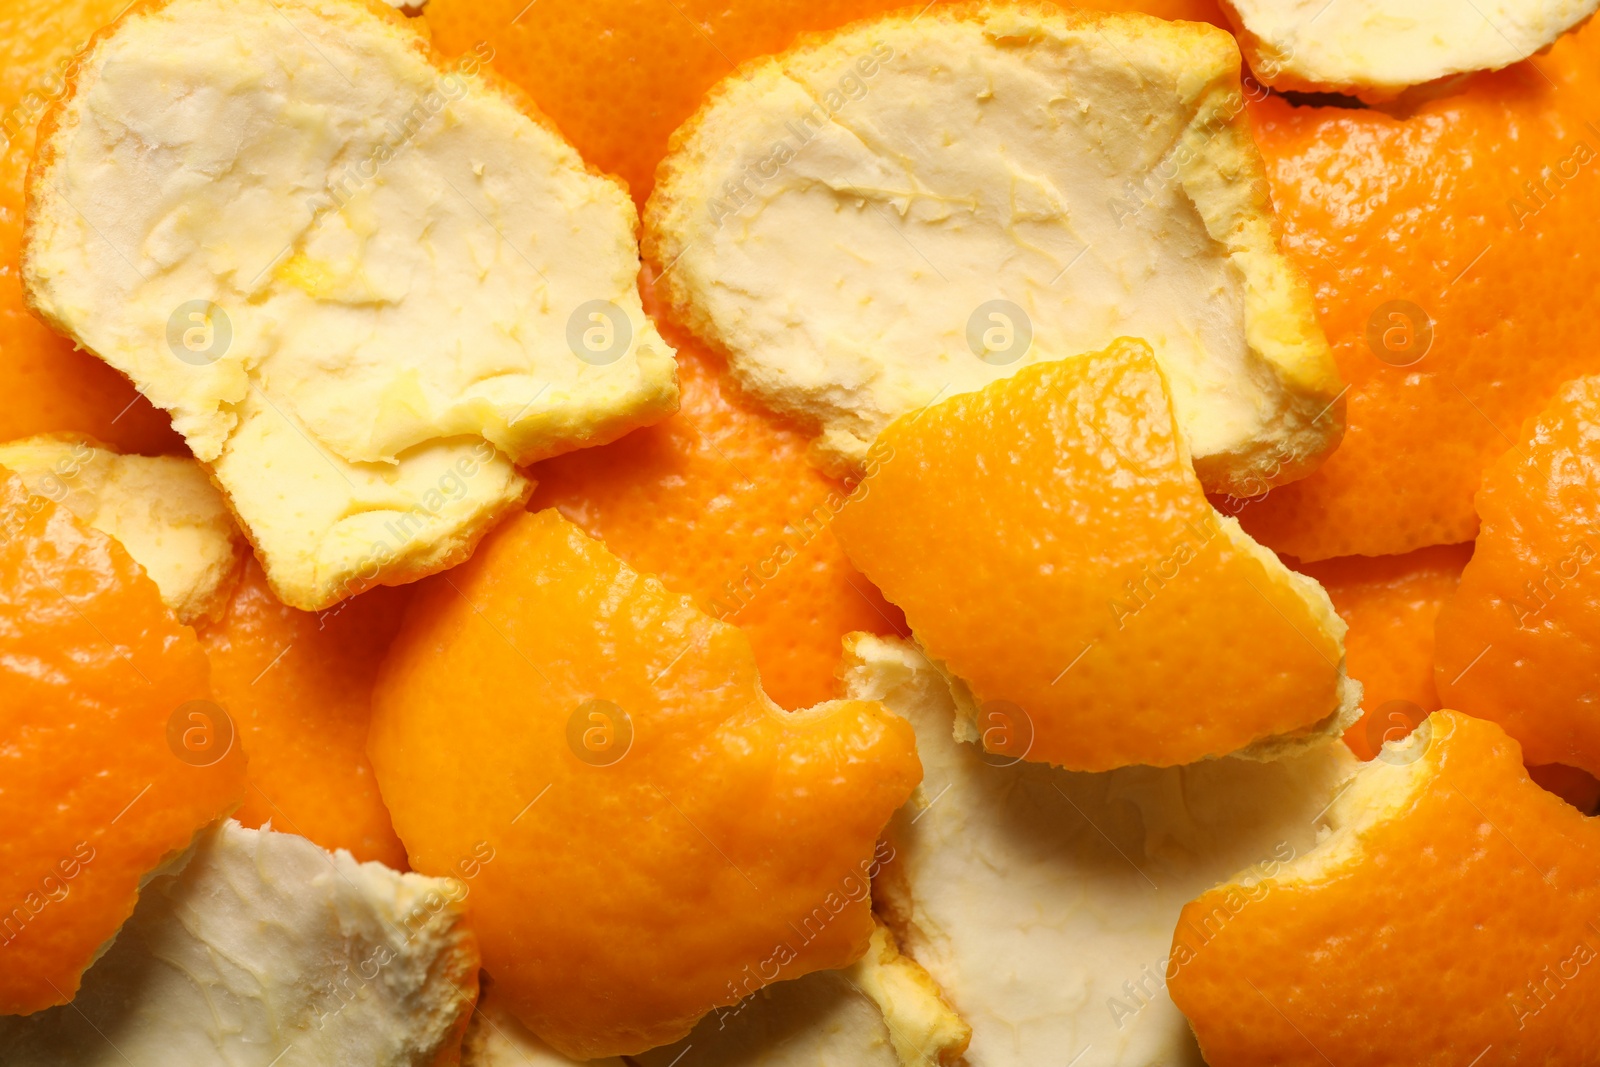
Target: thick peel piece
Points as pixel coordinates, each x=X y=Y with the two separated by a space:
x=113 y=754
x=265 y=950
x=1043 y=901
x=1050 y=545
x=363 y=281
x=1449 y=915
x=664 y=839
x=919 y=205
x=1376 y=49
x=162 y=509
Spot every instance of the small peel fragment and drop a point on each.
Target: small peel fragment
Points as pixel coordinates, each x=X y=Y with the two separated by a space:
x=1451 y=909
x=162 y=509
x=1377 y=49
x=1043 y=901
x=363 y=281
x=264 y=949
x=1051 y=547
x=918 y=205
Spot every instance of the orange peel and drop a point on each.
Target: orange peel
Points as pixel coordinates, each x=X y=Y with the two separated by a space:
x=1051 y=546
x=1449 y=910
x=115 y=755
x=1447 y=288
x=299 y=688
x=1390 y=604
x=622 y=759
x=1516 y=642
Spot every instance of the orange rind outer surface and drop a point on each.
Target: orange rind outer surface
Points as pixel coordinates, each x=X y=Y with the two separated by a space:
x=644 y=835
x=1517 y=643
x=1449 y=913
x=298 y=686
x=1051 y=546
x=1390 y=604
x=1451 y=251
x=114 y=754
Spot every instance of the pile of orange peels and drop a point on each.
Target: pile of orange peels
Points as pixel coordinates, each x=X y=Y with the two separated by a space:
x=583 y=721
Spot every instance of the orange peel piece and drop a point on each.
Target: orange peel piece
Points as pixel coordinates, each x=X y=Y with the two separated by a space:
x=1447 y=289
x=1516 y=643
x=114 y=754
x=299 y=688
x=621 y=757
x=1390 y=604
x=1448 y=911
x=1051 y=546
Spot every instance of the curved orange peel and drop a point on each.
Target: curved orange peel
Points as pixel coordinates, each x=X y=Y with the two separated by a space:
x=1050 y=544
x=1516 y=643
x=1451 y=909
x=99 y=689
x=665 y=839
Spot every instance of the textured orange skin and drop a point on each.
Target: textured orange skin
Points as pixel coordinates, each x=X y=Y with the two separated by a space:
x=1005 y=523
x=720 y=503
x=92 y=666
x=623 y=902
x=618 y=76
x=47 y=384
x=299 y=686
x=1426 y=950
x=1540 y=677
x=1390 y=603
x=1375 y=209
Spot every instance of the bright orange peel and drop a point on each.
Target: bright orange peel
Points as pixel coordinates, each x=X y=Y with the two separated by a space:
x=1517 y=642
x=1050 y=544
x=1449 y=911
x=299 y=687
x=664 y=839
x=114 y=755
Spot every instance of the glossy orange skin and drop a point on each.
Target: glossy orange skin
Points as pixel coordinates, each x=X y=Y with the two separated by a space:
x=720 y=502
x=1051 y=545
x=92 y=668
x=48 y=385
x=1517 y=642
x=619 y=76
x=299 y=686
x=1464 y=927
x=1390 y=603
x=1376 y=209
x=616 y=904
